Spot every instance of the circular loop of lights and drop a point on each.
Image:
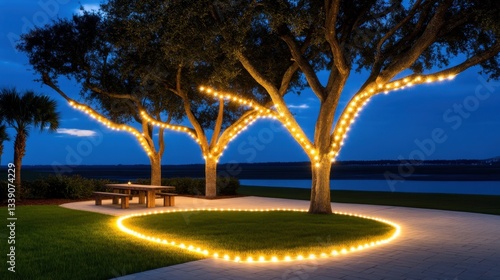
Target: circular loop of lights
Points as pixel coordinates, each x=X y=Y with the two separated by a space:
x=255 y=259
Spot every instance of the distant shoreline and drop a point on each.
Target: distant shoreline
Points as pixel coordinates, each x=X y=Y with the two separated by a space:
x=463 y=170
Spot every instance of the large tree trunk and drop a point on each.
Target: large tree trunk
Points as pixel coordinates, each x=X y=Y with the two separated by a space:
x=155 y=160
x=210 y=178
x=19 y=152
x=1 y=153
x=320 y=190
x=321 y=161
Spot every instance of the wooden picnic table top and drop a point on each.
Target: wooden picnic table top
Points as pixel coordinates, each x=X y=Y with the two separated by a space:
x=140 y=187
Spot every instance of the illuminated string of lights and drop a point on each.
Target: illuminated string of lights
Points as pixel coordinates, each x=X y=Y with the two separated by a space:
x=264 y=112
x=168 y=126
x=237 y=99
x=359 y=101
x=112 y=125
x=216 y=151
x=261 y=258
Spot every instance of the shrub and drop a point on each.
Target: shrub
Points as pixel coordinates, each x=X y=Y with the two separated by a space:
x=72 y=187
x=227 y=185
x=78 y=187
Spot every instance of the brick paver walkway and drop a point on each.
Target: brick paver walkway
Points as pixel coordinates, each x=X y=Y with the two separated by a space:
x=434 y=244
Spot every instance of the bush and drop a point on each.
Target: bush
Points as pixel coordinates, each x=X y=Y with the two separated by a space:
x=196 y=186
x=72 y=187
x=227 y=185
x=78 y=187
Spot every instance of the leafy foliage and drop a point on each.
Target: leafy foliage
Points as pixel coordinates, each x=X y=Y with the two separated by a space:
x=80 y=48
x=22 y=110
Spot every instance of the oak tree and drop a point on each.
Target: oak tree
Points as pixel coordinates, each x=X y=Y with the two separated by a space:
x=396 y=43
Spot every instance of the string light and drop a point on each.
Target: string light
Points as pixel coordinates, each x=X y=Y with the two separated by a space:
x=233 y=132
x=360 y=100
x=168 y=126
x=260 y=258
x=263 y=112
x=111 y=125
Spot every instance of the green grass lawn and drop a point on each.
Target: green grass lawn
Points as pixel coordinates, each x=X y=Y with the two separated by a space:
x=58 y=243
x=255 y=234
x=486 y=204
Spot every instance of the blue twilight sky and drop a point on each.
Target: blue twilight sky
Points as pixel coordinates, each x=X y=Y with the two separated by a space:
x=463 y=113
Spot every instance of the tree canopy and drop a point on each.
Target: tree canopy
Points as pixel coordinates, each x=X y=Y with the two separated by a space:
x=264 y=49
x=397 y=43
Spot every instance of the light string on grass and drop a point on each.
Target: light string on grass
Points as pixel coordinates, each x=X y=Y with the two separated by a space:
x=112 y=125
x=179 y=244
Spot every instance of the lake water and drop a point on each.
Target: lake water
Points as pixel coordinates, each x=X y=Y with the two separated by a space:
x=457 y=187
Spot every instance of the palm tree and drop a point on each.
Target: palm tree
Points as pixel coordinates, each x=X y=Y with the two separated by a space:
x=3 y=137
x=23 y=112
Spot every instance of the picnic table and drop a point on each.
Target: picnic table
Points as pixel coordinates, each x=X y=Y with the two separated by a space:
x=146 y=192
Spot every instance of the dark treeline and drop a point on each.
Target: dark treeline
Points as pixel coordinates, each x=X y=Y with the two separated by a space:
x=453 y=170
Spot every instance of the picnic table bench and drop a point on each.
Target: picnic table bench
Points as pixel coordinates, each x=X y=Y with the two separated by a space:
x=99 y=196
x=168 y=198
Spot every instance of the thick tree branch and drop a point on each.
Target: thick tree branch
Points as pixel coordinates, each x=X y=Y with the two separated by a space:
x=99 y=117
x=278 y=102
x=218 y=124
x=332 y=10
x=405 y=59
x=287 y=78
x=200 y=133
x=305 y=66
x=258 y=77
x=459 y=68
x=147 y=133
x=292 y=69
x=228 y=134
x=393 y=30
x=345 y=119
x=406 y=41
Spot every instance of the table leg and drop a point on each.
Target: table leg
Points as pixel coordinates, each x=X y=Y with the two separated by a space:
x=151 y=199
x=142 y=197
x=115 y=199
x=128 y=192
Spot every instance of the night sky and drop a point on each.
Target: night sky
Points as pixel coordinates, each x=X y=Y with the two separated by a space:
x=463 y=112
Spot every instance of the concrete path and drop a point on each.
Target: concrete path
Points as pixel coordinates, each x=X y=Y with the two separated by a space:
x=434 y=244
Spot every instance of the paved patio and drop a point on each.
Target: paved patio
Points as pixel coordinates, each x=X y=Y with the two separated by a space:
x=433 y=244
